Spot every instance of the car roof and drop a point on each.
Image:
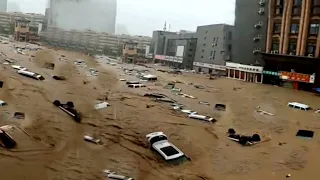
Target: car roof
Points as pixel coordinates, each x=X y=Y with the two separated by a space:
x=299 y=104
x=154 y=134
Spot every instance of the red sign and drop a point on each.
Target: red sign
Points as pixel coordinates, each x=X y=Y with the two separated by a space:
x=160 y=57
x=295 y=76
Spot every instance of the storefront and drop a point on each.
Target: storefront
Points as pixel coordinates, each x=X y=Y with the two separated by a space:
x=244 y=72
x=295 y=72
x=297 y=81
x=172 y=61
x=271 y=77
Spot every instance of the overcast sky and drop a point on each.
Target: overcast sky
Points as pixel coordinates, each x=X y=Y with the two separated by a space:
x=141 y=17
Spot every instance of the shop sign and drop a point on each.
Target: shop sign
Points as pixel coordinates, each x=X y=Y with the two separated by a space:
x=273 y=73
x=245 y=68
x=159 y=57
x=297 y=77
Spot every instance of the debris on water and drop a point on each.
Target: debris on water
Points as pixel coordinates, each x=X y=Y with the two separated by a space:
x=19 y=115
x=204 y=103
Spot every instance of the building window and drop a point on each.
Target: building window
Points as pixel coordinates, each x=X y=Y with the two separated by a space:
x=189 y=55
x=311 y=48
x=190 y=49
x=206 y=32
x=202 y=50
x=214 y=39
x=229 y=47
x=277 y=28
x=292 y=47
x=211 y=53
x=230 y=35
x=204 y=44
x=315 y=8
x=294 y=29
x=201 y=57
x=275 y=46
x=279 y=2
x=314 y=29
x=297 y=2
x=214 y=54
x=296 y=11
x=205 y=38
x=279 y=11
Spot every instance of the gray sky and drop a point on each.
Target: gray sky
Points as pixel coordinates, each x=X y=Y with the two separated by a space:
x=141 y=17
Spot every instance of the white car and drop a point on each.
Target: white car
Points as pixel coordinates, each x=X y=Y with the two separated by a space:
x=202 y=117
x=188 y=111
x=163 y=147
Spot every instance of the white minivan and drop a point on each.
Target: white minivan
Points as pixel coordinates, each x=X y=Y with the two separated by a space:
x=300 y=106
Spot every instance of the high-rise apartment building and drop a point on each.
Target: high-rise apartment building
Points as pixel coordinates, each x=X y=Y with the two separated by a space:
x=3 y=5
x=250 y=30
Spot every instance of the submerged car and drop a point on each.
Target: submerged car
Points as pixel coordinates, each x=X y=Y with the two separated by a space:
x=160 y=144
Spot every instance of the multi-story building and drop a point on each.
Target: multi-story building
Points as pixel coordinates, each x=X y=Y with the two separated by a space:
x=293 y=44
x=90 y=41
x=204 y=50
x=3 y=5
x=214 y=45
x=175 y=49
x=96 y=15
x=7 y=20
x=250 y=30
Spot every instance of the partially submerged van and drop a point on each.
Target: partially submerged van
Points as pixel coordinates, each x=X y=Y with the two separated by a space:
x=300 y=106
x=149 y=77
x=31 y=75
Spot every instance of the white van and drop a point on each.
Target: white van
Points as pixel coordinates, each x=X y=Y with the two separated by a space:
x=31 y=75
x=300 y=106
x=201 y=117
x=136 y=85
x=149 y=77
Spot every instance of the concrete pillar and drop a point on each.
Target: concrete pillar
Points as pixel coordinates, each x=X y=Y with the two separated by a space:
x=234 y=74
x=270 y=25
x=283 y=25
x=303 y=10
x=318 y=46
x=262 y=78
x=287 y=27
x=306 y=26
x=245 y=76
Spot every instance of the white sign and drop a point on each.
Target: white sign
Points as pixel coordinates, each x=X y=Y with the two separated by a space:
x=147 y=51
x=206 y=65
x=180 y=51
x=242 y=67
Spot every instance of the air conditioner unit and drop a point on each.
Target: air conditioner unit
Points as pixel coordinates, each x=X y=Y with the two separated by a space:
x=258 y=25
x=257 y=38
x=262 y=2
x=310 y=55
x=256 y=50
x=291 y=53
x=276 y=52
x=271 y=52
x=261 y=11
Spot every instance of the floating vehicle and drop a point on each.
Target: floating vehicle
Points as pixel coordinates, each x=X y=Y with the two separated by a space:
x=69 y=109
x=31 y=75
x=160 y=144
